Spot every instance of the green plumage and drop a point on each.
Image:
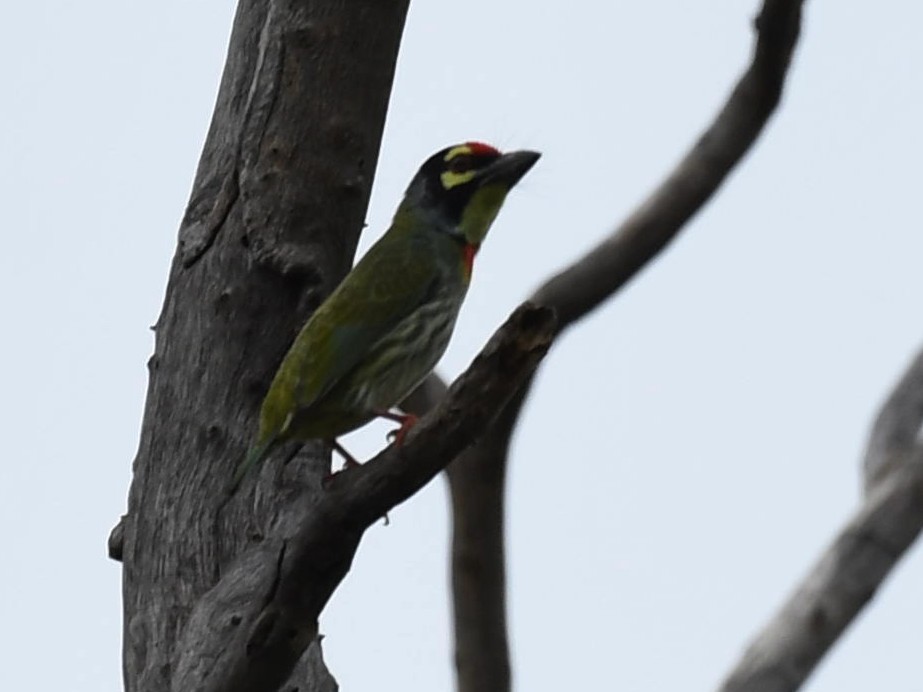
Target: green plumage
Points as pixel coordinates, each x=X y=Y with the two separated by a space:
x=388 y=323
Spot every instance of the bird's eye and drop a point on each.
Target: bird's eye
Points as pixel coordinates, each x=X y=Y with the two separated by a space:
x=461 y=164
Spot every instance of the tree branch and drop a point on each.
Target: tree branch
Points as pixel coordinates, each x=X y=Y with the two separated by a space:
x=853 y=567
x=477 y=549
x=577 y=290
x=896 y=432
x=250 y=630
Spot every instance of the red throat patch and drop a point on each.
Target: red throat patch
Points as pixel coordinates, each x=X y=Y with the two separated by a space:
x=468 y=253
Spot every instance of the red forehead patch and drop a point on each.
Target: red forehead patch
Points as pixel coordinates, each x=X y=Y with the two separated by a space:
x=481 y=149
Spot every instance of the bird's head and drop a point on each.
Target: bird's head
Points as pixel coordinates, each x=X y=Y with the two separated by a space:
x=461 y=188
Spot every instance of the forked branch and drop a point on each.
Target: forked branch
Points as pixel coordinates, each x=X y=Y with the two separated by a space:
x=251 y=628
x=478 y=560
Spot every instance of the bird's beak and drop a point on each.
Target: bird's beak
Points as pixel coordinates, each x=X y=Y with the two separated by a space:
x=509 y=168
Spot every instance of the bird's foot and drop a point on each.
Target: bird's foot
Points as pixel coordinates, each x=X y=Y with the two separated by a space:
x=407 y=421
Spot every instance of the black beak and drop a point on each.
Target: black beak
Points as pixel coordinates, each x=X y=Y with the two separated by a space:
x=510 y=168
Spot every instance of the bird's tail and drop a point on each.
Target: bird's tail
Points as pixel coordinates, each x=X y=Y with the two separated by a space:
x=256 y=454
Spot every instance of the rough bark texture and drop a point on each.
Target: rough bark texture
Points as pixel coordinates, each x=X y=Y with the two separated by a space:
x=273 y=221
x=477 y=478
x=851 y=569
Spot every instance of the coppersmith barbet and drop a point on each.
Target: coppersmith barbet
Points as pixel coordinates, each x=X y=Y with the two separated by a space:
x=384 y=328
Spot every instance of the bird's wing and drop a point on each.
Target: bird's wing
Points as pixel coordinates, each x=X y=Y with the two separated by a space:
x=388 y=284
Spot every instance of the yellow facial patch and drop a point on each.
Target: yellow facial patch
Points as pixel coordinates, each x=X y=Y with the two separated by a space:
x=451 y=178
x=481 y=212
x=456 y=151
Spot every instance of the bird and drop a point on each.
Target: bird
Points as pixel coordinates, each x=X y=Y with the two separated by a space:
x=387 y=324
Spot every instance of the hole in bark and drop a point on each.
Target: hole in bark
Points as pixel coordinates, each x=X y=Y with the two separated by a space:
x=223 y=298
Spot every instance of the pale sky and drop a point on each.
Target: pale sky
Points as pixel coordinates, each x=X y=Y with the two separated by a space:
x=687 y=452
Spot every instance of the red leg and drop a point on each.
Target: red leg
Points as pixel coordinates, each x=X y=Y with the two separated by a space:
x=407 y=421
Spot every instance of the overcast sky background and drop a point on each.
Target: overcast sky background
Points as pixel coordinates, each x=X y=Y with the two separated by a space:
x=688 y=450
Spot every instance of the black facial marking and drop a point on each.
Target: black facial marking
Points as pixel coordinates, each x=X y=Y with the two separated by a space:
x=462 y=163
x=453 y=200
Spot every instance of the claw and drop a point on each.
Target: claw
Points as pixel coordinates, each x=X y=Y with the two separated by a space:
x=407 y=421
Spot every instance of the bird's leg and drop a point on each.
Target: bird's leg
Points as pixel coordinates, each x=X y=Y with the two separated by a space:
x=349 y=461
x=407 y=421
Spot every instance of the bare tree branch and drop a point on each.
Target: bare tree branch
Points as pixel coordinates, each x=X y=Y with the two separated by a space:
x=581 y=287
x=895 y=435
x=478 y=572
x=250 y=630
x=477 y=549
x=853 y=567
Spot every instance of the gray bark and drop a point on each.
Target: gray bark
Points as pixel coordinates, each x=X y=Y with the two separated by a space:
x=272 y=224
x=477 y=479
x=851 y=569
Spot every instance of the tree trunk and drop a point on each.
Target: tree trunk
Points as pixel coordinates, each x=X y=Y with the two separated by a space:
x=273 y=221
